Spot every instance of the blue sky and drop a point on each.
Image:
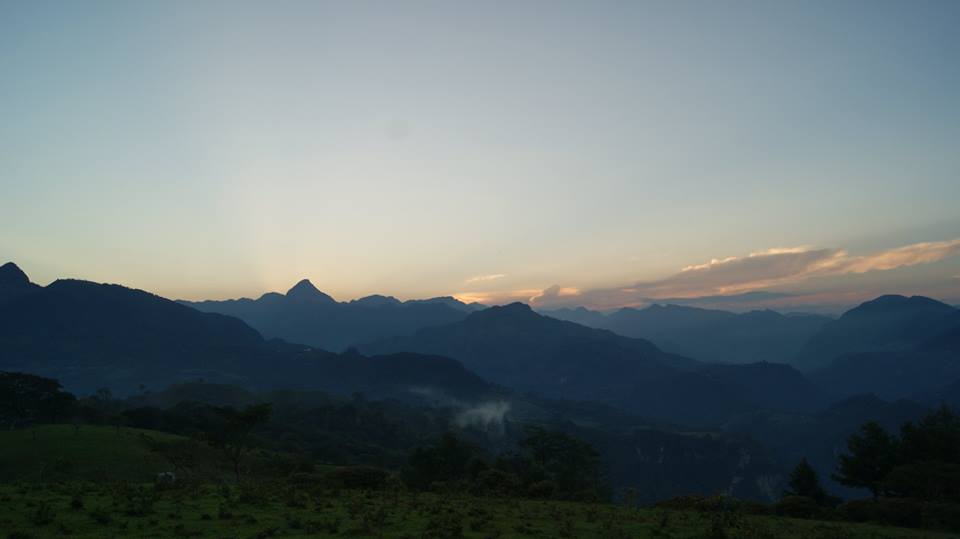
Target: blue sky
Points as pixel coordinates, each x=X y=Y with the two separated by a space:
x=486 y=149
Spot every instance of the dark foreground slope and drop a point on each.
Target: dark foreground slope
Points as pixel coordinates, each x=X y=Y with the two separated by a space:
x=90 y=335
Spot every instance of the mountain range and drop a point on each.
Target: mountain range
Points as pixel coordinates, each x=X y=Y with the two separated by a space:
x=708 y=334
x=893 y=346
x=620 y=392
x=90 y=335
x=516 y=347
x=306 y=315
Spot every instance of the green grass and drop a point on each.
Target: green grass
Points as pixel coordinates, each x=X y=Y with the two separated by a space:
x=109 y=494
x=87 y=452
x=258 y=511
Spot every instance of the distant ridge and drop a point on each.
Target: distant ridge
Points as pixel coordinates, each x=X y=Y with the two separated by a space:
x=305 y=314
x=893 y=346
x=516 y=347
x=708 y=334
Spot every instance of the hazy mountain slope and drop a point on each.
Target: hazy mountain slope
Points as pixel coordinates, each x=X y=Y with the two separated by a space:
x=887 y=324
x=893 y=346
x=304 y=314
x=706 y=334
x=518 y=348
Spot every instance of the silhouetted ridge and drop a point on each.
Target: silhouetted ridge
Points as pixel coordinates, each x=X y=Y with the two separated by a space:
x=14 y=282
x=305 y=291
x=707 y=334
x=306 y=315
x=377 y=300
x=901 y=305
x=11 y=274
x=511 y=311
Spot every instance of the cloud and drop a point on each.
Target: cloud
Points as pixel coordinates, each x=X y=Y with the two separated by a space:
x=488 y=416
x=498 y=297
x=755 y=271
x=485 y=278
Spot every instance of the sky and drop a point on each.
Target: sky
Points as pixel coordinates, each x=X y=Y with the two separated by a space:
x=562 y=153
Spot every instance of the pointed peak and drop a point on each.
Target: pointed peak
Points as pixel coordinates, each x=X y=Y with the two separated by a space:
x=305 y=291
x=11 y=274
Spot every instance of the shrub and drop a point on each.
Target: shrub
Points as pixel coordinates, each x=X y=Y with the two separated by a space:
x=446 y=526
x=901 y=512
x=358 y=477
x=682 y=503
x=797 y=507
x=542 y=489
x=891 y=511
x=497 y=482
x=942 y=516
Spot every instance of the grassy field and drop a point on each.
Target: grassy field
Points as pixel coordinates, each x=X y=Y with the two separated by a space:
x=86 y=510
x=87 y=452
x=57 y=481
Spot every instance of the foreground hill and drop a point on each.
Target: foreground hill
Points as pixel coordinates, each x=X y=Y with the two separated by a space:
x=90 y=335
x=516 y=347
x=708 y=334
x=307 y=315
x=86 y=452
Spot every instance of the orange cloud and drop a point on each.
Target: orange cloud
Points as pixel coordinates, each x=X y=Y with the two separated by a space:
x=484 y=278
x=756 y=271
x=498 y=297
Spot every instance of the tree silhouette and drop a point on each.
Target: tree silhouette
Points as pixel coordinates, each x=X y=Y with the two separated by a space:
x=872 y=456
x=805 y=482
x=232 y=437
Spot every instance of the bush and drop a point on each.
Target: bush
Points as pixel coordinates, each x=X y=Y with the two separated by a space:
x=358 y=477
x=542 y=489
x=890 y=511
x=903 y=512
x=497 y=482
x=682 y=503
x=308 y=479
x=942 y=516
x=797 y=507
x=925 y=480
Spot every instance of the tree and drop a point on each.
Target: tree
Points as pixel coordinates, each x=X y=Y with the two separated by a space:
x=936 y=437
x=232 y=436
x=872 y=456
x=928 y=463
x=805 y=482
x=446 y=461
x=26 y=397
x=570 y=463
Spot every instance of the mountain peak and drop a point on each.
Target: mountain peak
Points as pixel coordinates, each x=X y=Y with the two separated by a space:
x=11 y=274
x=376 y=300
x=894 y=302
x=305 y=291
x=512 y=312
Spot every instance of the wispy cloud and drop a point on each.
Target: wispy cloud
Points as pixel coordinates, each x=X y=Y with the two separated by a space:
x=755 y=271
x=485 y=278
x=498 y=297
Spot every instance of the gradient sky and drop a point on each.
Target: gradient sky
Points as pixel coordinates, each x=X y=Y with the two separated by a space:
x=486 y=149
